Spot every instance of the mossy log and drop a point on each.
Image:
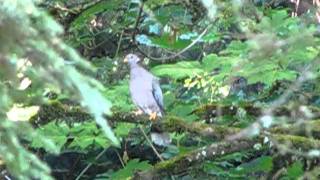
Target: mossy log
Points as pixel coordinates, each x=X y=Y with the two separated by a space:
x=72 y=113
x=305 y=128
x=215 y=110
x=176 y=124
x=295 y=143
x=280 y=136
x=183 y=162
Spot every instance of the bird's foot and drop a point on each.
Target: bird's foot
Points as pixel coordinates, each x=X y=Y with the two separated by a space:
x=138 y=112
x=153 y=116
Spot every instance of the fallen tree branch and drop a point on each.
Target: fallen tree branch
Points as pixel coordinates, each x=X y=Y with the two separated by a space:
x=176 y=124
x=214 y=110
x=182 y=163
x=305 y=128
x=69 y=113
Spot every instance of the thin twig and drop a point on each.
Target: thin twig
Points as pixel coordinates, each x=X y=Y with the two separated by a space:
x=90 y=164
x=119 y=43
x=150 y=143
x=180 y=52
x=120 y=159
x=135 y=29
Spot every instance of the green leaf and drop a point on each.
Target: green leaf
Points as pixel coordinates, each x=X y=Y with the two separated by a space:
x=184 y=111
x=83 y=141
x=165 y=41
x=123 y=129
x=119 y=96
x=211 y=37
x=84 y=128
x=56 y=132
x=94 y=10
x=132 y=166
x=235 y=48
x=87 y=134
x=179 y=70
x=261 y=164
x=102 y=141
x=212 y=61
x=175 y=14
x=278 y=17
x=214 y=169
x=295 y=170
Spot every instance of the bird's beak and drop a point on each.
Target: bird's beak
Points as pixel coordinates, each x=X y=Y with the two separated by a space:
x=125 y=60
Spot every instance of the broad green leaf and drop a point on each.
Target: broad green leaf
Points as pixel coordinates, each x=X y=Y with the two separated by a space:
x=132 y=166
x=210 y=62
x=102 y=141
x=211 y=37
x=261 y=164
x=176 y=14
x=87 y=134
x=94 y=10
x=83 y=141
x=84 y=128
x=56 y=132
x=214 y=169
x=295 y=170
x=278 y=18
x=119 y=96
x=169 y=99
x=184 y=110
x=235 y=48
x=179 y=70
x=168 y=42
x=123 y=129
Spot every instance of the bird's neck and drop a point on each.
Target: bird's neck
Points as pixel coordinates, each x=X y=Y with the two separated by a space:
x=134 y=65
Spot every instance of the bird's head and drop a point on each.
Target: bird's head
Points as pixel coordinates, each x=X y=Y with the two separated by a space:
x=131 y=59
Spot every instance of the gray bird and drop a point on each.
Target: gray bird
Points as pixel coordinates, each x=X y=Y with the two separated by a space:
x=146 y=94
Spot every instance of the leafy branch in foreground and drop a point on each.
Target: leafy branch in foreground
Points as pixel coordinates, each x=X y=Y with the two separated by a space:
x=32 y=39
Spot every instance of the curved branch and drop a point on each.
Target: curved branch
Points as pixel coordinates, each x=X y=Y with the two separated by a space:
x=178 y=53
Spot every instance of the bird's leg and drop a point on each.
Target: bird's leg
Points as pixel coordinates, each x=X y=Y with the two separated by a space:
x=153 y=116
x=138 y=112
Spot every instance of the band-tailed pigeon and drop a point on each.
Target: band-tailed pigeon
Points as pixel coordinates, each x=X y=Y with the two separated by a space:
x=147 y=95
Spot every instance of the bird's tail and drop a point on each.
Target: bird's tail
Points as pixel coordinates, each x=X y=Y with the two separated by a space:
x=161 y=139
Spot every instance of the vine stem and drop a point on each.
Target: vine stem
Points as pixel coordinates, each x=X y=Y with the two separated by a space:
x=90 y=164
x=150 y=143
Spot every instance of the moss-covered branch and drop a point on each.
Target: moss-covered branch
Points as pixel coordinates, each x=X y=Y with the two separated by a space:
x=183 y=162
x=305 y=128
x=60 y=111
x=176 y=124
x=214 y=110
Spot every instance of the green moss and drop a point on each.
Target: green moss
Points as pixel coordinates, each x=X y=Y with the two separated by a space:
x=298 y=142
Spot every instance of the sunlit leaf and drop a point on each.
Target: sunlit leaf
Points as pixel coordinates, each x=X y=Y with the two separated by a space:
x=179 y=70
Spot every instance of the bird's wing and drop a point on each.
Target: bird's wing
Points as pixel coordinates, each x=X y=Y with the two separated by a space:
x=157 y=93
x=145 y=91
